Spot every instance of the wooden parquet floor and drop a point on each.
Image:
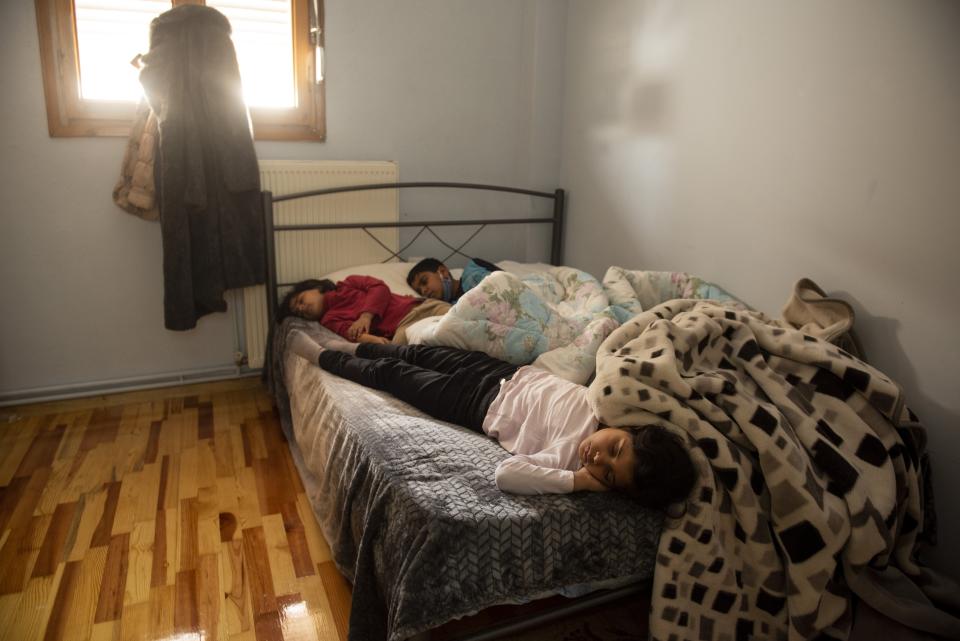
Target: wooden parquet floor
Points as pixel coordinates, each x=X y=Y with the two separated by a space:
x=169 y=514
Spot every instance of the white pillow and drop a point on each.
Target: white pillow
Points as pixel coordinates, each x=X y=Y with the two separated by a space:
x=393 y=274
x=418 y=333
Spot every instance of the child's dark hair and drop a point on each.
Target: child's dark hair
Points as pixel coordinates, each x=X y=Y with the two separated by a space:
x=664 y=473
x=425 y=265
x=311 y=283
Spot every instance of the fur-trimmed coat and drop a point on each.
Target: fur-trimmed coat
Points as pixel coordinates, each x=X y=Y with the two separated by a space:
x=208 y=180
x=136 y=191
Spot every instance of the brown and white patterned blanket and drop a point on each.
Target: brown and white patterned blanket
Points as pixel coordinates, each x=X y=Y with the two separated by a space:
x=811 y=474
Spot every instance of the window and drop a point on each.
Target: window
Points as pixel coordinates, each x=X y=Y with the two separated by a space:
x=91 y=87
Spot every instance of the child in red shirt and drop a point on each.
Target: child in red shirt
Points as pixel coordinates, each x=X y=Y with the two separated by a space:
x=359 y=308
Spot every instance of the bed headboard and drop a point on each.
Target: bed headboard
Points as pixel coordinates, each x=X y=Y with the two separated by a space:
x=556 y=221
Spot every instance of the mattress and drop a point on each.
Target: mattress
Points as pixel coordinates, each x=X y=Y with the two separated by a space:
x=415 y=521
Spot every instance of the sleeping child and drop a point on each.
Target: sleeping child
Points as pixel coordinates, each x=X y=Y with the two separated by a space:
x=431 y=278
x=558 y=444
x=359 y=308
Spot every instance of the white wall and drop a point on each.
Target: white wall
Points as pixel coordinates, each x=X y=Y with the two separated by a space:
x=753 y=143
x=452 y=89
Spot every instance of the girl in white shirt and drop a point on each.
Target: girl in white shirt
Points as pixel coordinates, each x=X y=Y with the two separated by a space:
x=558 y=445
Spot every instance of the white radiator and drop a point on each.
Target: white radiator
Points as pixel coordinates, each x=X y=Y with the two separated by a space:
x=311 y=254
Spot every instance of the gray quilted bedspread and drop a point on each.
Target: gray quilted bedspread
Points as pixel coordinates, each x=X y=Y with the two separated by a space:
x=414 y=520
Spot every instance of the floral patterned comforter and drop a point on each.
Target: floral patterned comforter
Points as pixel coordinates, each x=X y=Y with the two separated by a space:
x=555 y=319
x=637 y=291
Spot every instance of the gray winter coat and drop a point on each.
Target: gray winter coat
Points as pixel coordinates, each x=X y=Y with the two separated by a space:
x=207 y=175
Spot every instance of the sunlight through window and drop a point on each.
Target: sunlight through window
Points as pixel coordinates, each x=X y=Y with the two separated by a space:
x=92 y=89
x=110 y=33
x=263 y=38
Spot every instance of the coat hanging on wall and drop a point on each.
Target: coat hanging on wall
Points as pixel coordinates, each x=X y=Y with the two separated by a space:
x=208 y=181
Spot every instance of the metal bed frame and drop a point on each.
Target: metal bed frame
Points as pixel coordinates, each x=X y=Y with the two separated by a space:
x=556 y=250
x=558 y=197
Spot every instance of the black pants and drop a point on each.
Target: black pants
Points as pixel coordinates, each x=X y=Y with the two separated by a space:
x=449 y=384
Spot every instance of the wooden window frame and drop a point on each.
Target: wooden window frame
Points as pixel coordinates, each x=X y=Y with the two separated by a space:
x=69 y=115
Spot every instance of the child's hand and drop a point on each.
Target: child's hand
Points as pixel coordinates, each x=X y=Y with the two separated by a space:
x=584 y=481
x=370 y=338
x=360 y=326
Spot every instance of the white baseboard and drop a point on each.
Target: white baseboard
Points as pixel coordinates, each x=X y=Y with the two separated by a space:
x=114 y=386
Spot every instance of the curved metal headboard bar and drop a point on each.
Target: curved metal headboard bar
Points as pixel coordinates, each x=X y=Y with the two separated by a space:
x=337 y=190
x=267 y=199
x=398 y=254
